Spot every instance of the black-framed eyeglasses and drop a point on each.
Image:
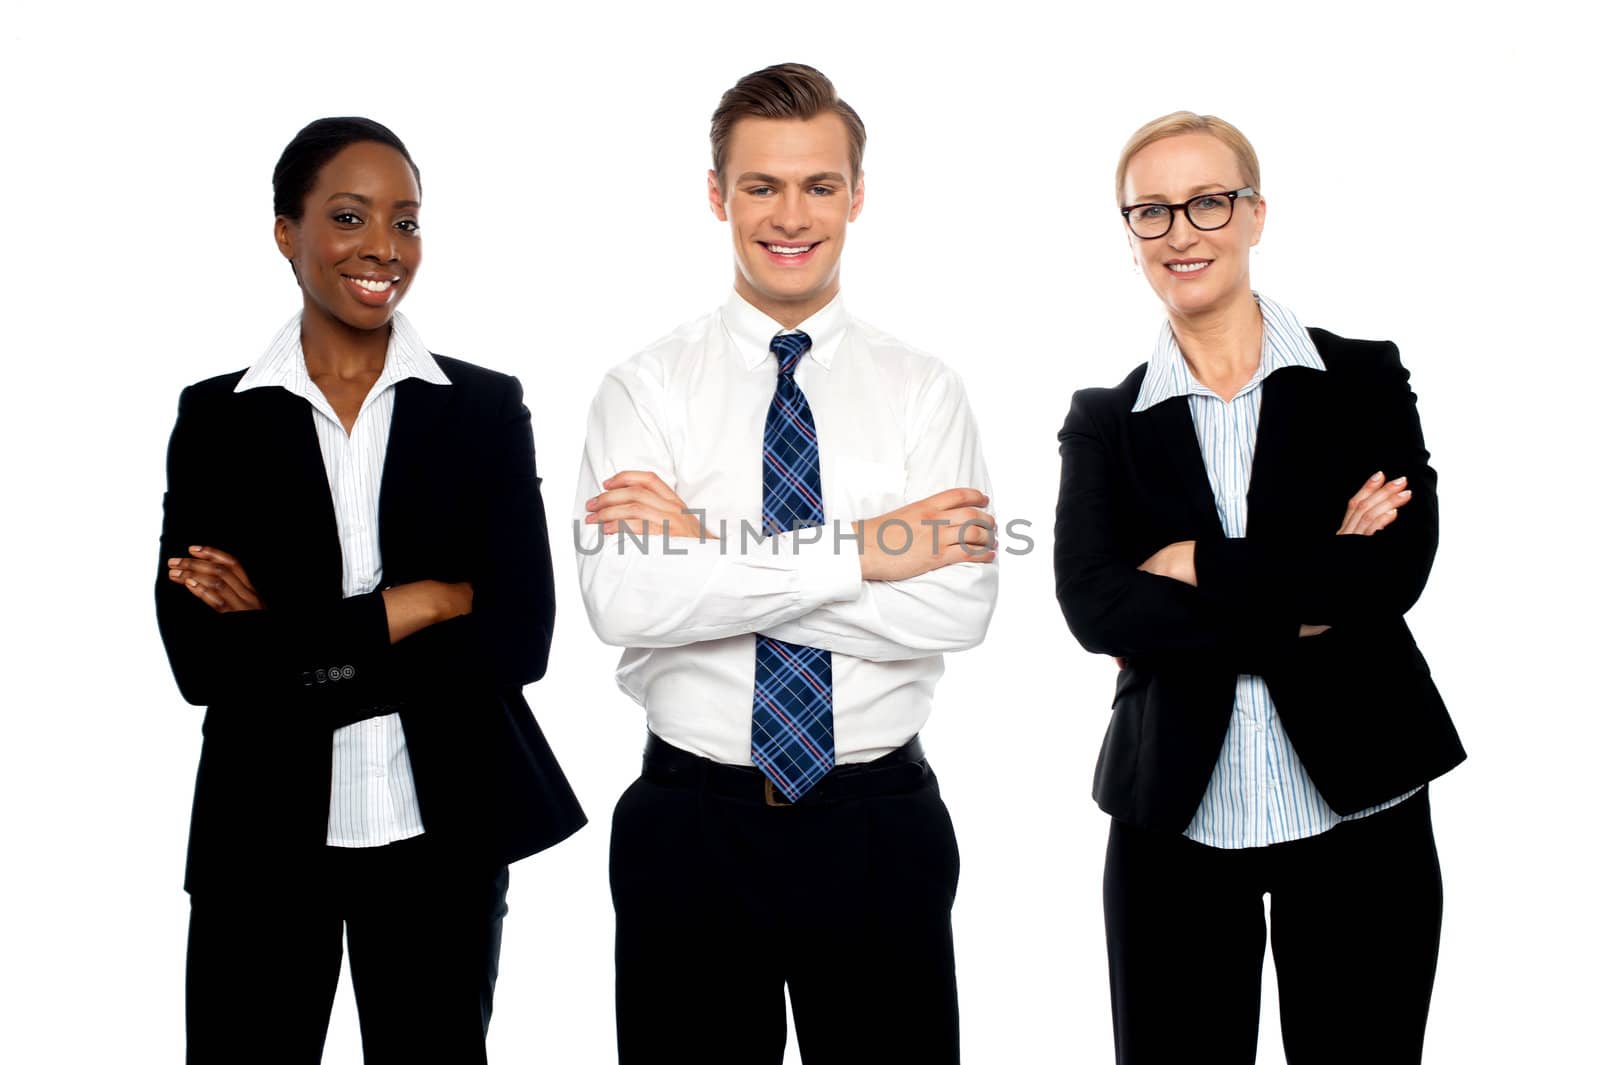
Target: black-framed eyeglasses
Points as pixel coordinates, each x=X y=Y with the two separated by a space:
x=1209 y=210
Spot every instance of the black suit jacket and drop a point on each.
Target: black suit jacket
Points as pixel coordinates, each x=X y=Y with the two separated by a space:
x=1357 y=702
x=459 y=501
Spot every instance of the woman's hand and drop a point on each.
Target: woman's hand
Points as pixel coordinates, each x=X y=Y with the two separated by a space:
x=413 y=607
x=215 y=578
x=1369 y=511
x=1175 y=561
x=1376 y=505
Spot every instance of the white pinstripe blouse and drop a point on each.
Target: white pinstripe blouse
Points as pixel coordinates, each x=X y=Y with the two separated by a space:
x=1259 y=793
x=373 y=800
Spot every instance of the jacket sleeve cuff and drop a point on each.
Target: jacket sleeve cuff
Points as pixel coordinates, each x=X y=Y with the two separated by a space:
x=350 y=676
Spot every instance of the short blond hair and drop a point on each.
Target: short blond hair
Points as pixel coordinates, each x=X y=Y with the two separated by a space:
x=1181 y=122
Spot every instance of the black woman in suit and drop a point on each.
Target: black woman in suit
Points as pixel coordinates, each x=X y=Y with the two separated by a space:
x=356 y=581
x=1243 y=522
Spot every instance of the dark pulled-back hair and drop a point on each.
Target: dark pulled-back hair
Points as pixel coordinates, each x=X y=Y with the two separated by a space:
x=786 y=90
x=310 y=151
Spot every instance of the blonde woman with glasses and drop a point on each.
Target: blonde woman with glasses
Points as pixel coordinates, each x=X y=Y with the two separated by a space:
x=1243 y=523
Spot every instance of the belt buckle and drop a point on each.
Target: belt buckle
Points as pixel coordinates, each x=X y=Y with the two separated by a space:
x=774 y=797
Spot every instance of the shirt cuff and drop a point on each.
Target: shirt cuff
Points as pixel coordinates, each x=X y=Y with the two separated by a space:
x=829 y=572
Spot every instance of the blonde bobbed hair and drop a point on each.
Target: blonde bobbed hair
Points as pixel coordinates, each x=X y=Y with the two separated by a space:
x=1181 y=122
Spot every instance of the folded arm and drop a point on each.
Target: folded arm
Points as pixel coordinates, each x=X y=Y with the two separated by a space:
x=1333 y=579
x=504 y=641
x=942 y=609
x=1110 y=604
x=342 y=655
x=643 y=591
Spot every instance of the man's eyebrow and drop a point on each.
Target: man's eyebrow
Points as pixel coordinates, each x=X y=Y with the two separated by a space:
x=814 y=179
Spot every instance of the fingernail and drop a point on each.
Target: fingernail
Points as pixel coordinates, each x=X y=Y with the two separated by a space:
x=195 y=549
x=191 y=583
x=1376 y=477
x=1399 y=480
x=1406 y=494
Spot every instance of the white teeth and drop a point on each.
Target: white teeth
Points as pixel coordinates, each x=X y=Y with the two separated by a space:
x=372 y=286
x=1187 y=268
x=781 y=250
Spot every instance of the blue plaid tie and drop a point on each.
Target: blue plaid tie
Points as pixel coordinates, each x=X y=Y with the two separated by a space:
x=791 y=735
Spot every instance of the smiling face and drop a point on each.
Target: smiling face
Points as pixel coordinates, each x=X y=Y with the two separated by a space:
x=357 y=243
x=1195 y=272
x=787 y=193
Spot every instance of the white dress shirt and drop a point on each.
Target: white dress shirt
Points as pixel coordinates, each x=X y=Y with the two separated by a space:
x=893 y=426
x=1260 y=792
x=373 y=800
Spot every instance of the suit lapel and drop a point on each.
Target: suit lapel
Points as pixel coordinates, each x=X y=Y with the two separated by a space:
x=418 y=406
x=285 y=437
x=1168 y=432
x=1288 y=437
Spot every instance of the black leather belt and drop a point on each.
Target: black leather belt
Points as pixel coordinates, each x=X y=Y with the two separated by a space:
x=902 y=770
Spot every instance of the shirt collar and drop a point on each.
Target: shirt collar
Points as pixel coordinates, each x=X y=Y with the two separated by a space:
x=1284 y=342
x=284 y=363
x=751 y=331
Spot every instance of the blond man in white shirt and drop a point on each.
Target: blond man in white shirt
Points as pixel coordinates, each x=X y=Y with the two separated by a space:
x=781 y=517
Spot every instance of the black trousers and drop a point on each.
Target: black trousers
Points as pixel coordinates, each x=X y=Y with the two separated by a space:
x=424 y=933
x=1355 y=939
x=721 y=900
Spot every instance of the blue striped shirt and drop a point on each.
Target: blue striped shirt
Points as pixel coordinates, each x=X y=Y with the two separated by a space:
x=1259 y=793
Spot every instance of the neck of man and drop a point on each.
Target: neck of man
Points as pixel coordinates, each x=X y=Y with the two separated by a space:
x=787 y=313
x=1222 y=344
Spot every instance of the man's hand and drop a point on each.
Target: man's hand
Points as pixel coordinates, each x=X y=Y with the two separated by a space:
x=1376 y=505
x=642 y=504
x=215 y=578
x=941 y=530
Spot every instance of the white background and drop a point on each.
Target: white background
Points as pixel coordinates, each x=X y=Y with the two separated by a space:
x=1428 y=181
